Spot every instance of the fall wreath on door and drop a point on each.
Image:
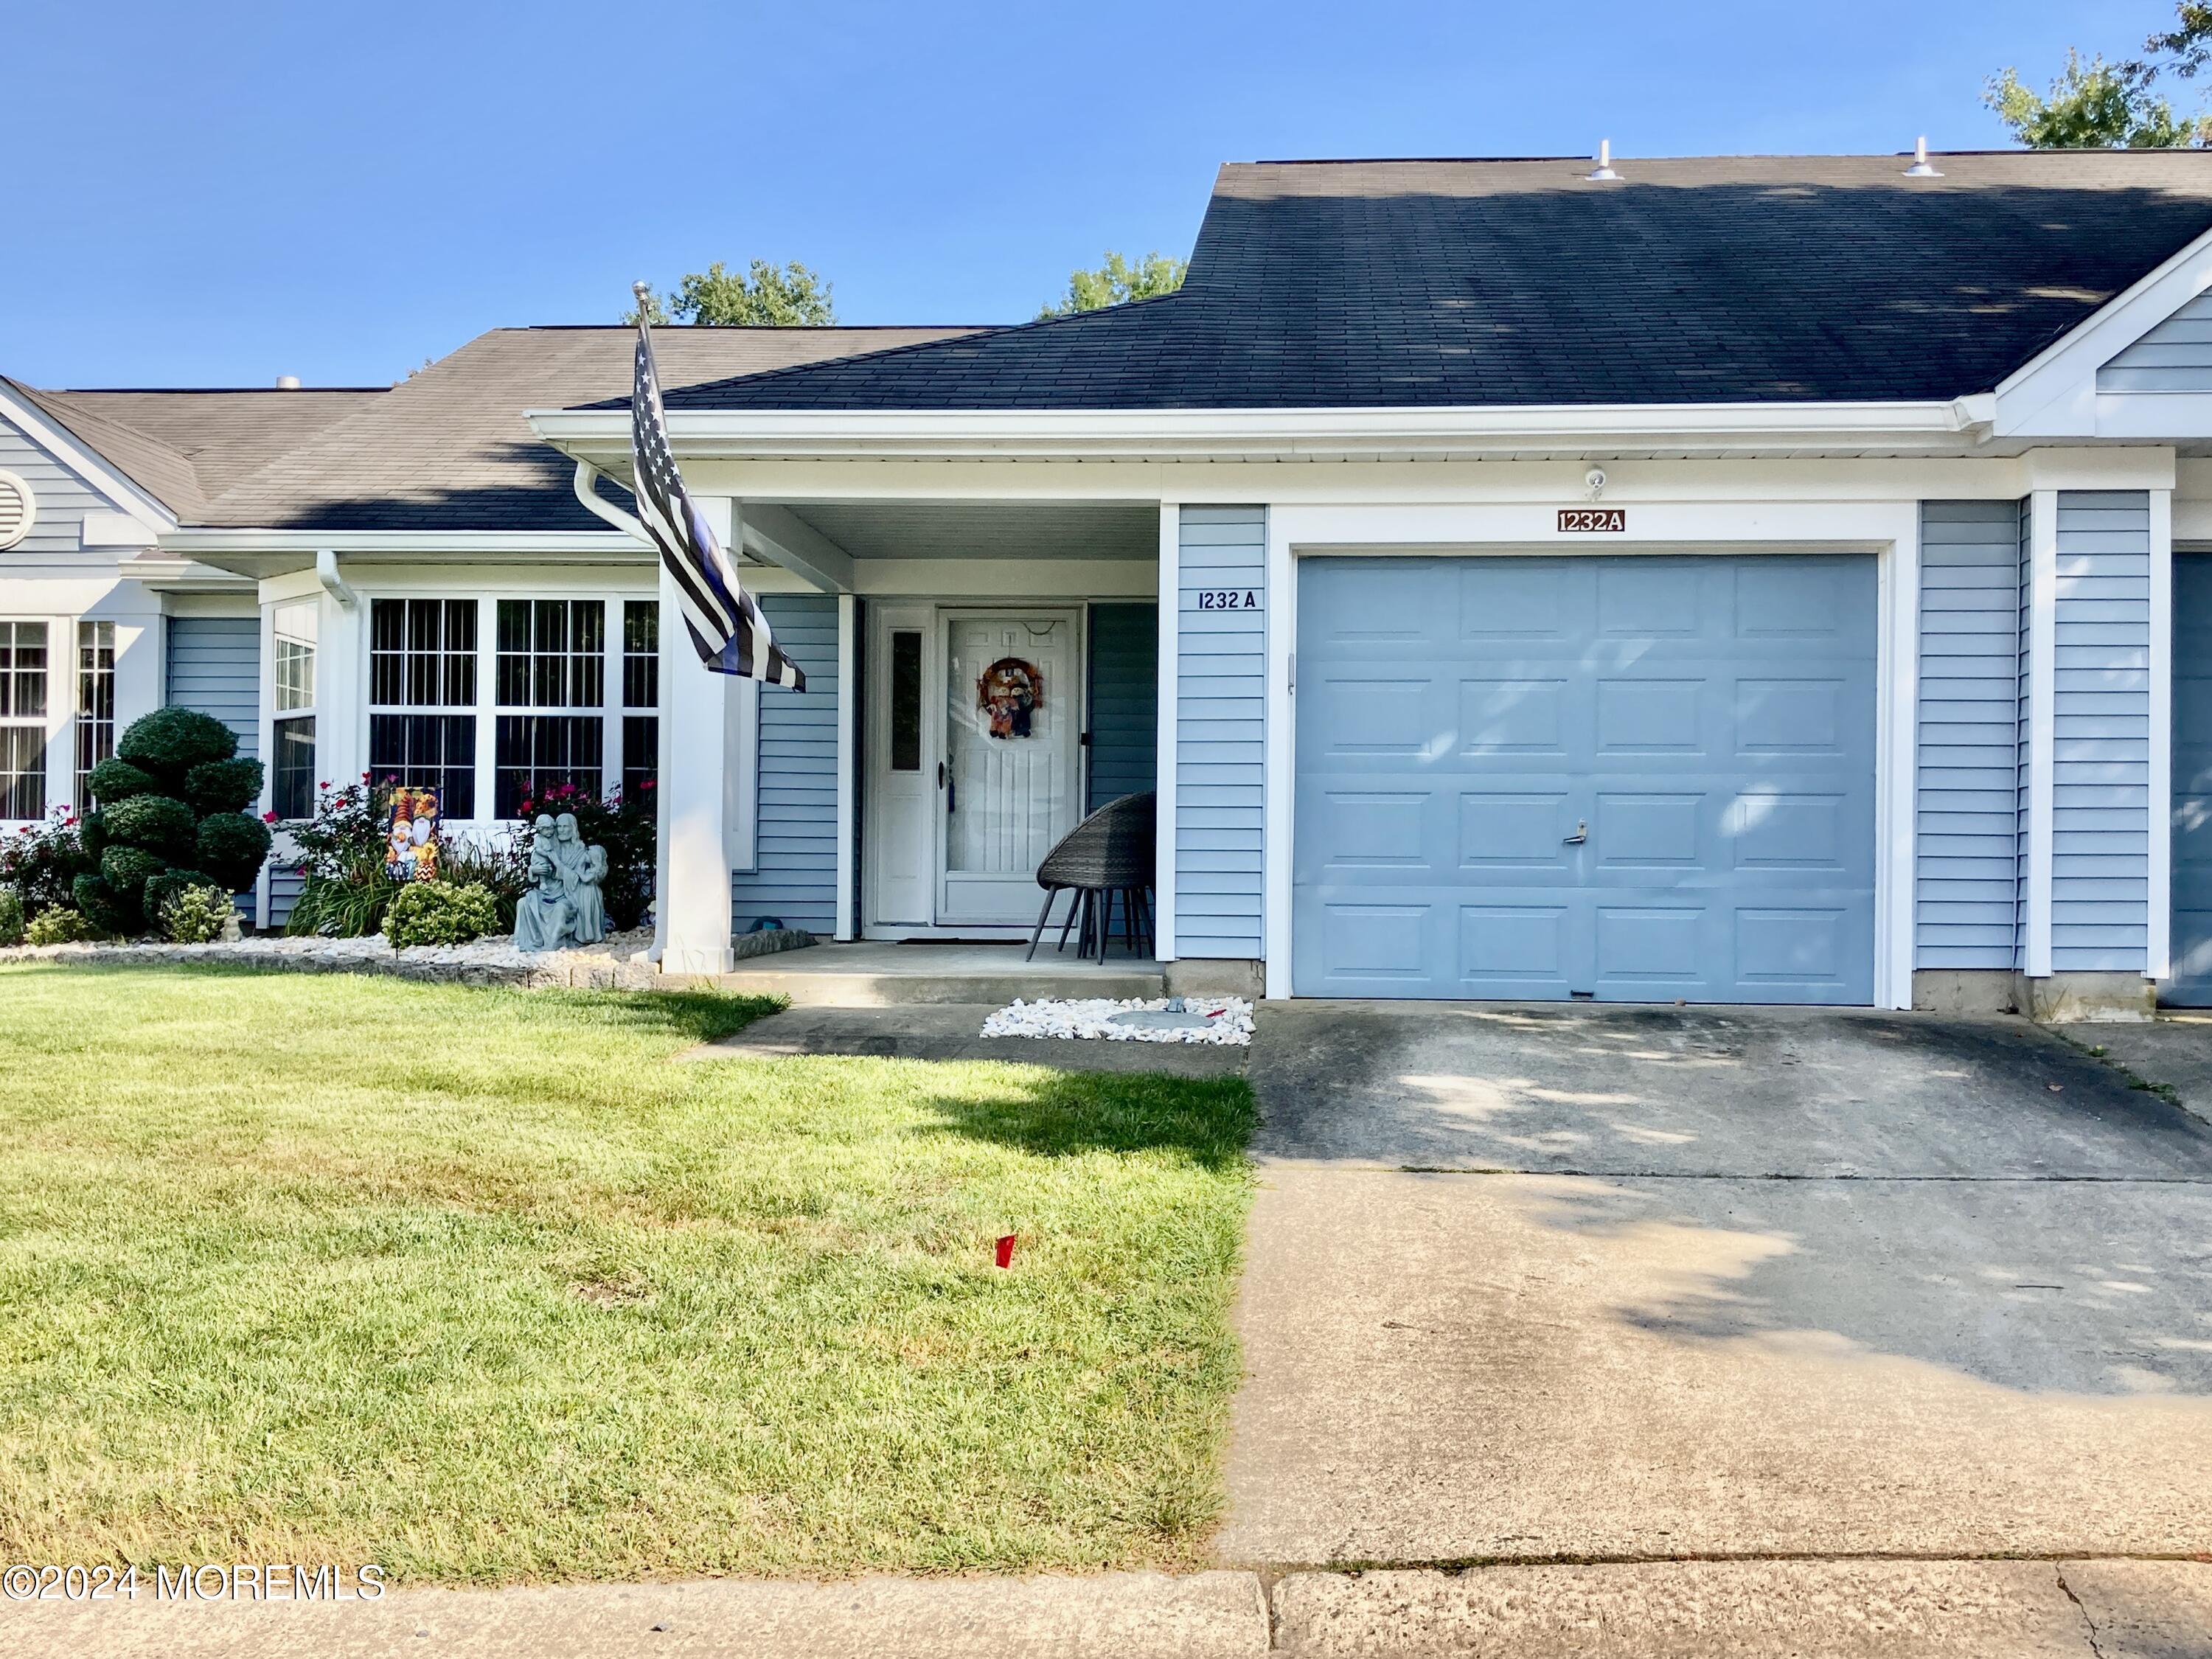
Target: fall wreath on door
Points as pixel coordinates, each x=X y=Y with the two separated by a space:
x=1010 y=691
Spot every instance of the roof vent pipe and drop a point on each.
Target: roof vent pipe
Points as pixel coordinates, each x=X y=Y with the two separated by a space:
x=1604 y=169
x=1920 y=168
x=288 y=383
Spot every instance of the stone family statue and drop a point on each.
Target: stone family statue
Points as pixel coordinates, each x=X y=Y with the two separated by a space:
x=563 y=906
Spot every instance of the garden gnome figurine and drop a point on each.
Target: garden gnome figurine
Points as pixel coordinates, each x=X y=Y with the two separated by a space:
x=582 y=869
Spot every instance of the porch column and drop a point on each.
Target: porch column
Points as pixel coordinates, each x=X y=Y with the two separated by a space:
x=691 y=906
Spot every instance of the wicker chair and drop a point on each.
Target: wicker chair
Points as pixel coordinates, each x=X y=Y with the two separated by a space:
x=1108 y=852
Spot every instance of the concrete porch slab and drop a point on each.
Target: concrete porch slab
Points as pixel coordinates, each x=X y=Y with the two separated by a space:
x=876 y=974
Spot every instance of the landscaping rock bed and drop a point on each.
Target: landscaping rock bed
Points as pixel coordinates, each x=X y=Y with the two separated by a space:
x=1221 y=1021
x=618 y=961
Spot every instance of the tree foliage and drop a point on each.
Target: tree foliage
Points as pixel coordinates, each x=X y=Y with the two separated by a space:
x=1117 y=282
x=2095 y=105
x=766 y=296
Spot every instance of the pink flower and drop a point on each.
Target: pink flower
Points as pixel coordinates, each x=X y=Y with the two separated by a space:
x=269 y=818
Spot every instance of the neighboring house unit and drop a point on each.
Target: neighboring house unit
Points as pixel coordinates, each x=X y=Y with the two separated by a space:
x=1744 y=580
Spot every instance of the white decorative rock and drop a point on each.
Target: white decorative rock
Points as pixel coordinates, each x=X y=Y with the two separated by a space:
x=1223 y=1021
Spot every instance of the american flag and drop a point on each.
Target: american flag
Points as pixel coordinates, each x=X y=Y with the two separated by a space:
x=726 y=626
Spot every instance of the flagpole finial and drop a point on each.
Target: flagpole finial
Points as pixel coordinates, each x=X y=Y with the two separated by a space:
x=643 y=290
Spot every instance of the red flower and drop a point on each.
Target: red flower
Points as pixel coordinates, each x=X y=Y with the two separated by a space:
x=269 y=818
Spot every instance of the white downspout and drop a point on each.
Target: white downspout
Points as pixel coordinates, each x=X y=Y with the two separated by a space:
x=326 y=572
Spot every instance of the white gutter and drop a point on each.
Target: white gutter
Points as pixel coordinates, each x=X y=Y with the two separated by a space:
x=1169 y=433
x=326 y=572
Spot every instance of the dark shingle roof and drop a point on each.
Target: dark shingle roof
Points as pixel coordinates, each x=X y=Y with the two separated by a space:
x=448 y=448
x=1758 y=278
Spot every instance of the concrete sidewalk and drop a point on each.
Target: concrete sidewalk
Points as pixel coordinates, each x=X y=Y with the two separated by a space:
x=2101 y=1609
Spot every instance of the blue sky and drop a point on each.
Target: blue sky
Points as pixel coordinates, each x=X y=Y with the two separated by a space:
x=219 y=194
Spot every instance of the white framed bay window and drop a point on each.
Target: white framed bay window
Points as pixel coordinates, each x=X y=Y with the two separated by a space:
x=294 y=635
x=493 y=699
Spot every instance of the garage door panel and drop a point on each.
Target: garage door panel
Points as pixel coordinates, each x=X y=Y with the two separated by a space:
x=1510 y=599
x=1524 y=715
x=1718 y=754
x=1512 y=834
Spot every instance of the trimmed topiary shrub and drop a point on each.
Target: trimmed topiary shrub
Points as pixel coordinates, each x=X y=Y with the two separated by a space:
x=232 y=848
x=438 y=913
x=171 y=801
x=11 y=918
x=114 y=781
x=196 y=915
x=59 y=925
x=150 y=823
x=223 y=786
x=169 y=742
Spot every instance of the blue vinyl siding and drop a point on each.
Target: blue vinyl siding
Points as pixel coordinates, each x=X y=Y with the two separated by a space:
x=1221 y=722
x=2175 y=356
x=215 y=666
x=62 y=498
x=796 y=876
x=1124 y=700
x=2100 y=765
x=1966 y=910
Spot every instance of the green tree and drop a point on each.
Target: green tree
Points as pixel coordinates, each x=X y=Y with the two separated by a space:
x=2100 y=105
x=769 y=297
x=2093 y=105
x=1117 y=282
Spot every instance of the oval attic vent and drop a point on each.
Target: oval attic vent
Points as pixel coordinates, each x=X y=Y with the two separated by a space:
x=18 y=510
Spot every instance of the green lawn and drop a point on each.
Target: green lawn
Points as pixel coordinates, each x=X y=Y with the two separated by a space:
x=484 y=1286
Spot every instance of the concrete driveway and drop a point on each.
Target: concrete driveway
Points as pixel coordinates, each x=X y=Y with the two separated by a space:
x=1597 y=1283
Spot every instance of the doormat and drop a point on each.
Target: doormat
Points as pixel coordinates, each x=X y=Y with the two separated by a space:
x=1221 y=1021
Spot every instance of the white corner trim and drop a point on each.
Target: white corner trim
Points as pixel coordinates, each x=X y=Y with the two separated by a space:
x=1280 y=740
x=1897 y=773
x=2158 y=952
x=2042 y=727
x=848 y=763
x=1169 y=672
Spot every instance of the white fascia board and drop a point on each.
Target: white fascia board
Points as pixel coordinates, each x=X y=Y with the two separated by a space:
x=2054 y=393
x=1275 y=432
x=88 y=464
x=428 y=543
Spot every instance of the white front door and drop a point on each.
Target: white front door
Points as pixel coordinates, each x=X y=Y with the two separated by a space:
x=1012 y=712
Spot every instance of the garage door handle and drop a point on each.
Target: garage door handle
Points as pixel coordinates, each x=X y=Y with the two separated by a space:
x=1581 y=835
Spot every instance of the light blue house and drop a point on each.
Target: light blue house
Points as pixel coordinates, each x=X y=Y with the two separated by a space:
x=1761 y=579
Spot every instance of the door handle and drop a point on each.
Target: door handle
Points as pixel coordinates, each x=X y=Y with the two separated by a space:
x=1581 y=835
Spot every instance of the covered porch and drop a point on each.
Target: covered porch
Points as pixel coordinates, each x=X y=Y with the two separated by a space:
x=980 y=674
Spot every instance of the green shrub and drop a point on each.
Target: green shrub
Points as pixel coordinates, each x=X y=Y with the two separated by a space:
x=169 y=742
x=197 y=915
x=115 y=780
x=126 y=870
x=342 y=850
x=103 y=910
x=501 y=866
x=438 y=913
x=161 y=888
x=153 y=824
x=11 y=918
x=223 y=786
x=60 y=924
x=232 y=848
x=92 y=837
x=330 y=908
